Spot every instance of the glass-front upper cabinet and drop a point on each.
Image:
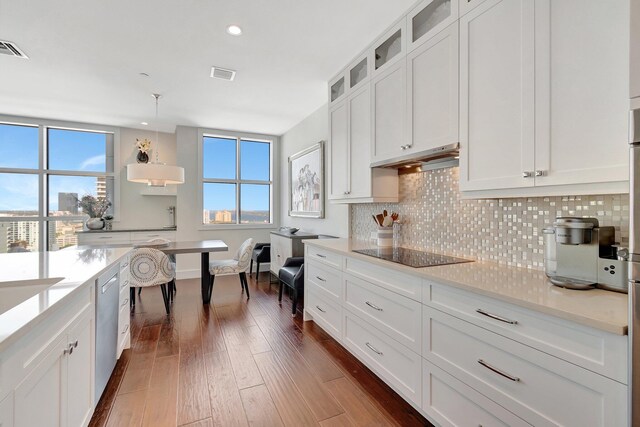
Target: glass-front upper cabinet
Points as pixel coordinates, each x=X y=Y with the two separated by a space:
x=359 y=71
x=337 y=87
x=429 y=18
x=390 y=48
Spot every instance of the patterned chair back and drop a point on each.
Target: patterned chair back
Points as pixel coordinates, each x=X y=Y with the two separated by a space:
x=243 y=256
x=150 y=267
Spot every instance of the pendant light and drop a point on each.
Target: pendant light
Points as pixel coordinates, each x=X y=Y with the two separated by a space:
x=155 y=174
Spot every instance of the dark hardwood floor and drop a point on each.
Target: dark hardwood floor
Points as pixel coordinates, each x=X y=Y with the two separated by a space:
x=237 y=363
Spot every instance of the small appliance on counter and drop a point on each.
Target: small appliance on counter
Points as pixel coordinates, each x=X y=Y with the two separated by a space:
x=579 y=254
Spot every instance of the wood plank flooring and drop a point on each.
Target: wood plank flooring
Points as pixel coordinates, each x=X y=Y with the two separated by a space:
x=240 y=363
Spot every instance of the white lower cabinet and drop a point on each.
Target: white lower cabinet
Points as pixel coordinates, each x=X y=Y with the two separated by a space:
x=394 y=363
x=538 y=387
x=59 y=390
x=6 y=411
x=450 y=402
x=458 y=366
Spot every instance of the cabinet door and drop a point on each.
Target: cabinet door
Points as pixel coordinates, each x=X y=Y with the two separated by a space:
x=6 y=412
x=432 y=91
x=634 y=81
x=338 y=151
x=582 y=85
x=497 y=95
x=360 y=143
x=80 y=372
x=39 y=399
x=389 y=111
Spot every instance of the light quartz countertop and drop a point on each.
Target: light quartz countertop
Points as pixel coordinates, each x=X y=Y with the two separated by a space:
x=596 y=308
x=128 y=230
x=32 y=284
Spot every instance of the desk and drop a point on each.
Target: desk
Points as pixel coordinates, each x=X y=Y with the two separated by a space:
x=199 y=246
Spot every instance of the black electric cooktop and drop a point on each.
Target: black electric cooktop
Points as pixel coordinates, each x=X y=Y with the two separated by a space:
x=412 y=258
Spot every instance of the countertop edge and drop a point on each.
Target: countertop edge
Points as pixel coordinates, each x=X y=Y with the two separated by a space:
x=423 y=273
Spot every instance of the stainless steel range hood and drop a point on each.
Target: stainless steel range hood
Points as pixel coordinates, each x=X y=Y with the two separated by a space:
x=435 y=158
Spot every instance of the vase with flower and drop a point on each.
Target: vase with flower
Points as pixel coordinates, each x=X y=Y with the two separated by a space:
x=95 y=207
x=144 y=146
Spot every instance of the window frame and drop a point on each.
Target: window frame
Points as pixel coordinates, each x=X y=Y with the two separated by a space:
x=42 y=172
x=272 y=140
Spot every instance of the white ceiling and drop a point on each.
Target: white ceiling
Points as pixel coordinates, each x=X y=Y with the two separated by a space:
x=86 y=56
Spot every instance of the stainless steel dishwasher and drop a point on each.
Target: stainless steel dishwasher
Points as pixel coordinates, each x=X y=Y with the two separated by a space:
x=107 y=299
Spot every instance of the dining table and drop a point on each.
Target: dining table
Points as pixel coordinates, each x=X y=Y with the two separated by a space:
x=203 y=247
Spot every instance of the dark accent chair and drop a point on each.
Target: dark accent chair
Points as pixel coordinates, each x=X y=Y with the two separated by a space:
x=292 y=275
x=261 y=254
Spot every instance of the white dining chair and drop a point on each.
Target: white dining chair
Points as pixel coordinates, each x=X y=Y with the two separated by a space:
x=238 y=265
x=150 y=267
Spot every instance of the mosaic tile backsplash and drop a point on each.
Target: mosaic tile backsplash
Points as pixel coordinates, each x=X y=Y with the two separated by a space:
x=506 y=231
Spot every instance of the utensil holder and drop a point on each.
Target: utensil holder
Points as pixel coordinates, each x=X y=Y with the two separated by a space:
x=385 y=237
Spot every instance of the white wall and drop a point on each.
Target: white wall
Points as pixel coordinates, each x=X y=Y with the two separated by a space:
x=190 y=214
x=311 y=130
x=136 y=210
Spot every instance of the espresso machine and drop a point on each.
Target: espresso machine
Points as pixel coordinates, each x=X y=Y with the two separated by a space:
x=579 y=254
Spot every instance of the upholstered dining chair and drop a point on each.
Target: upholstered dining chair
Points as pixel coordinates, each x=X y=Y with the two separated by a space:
x=238 y=265
x=151 y=267
x=292 y=275
x=261 y=254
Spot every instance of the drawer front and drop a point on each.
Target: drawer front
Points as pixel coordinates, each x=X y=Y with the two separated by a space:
x=328 y=279
x=110 y=237
x=590 y=348
x=397 y=365
x=450 y=402
x=326 y=312
x=393 y=280
x=397 y=316
x=541 y=389
x=144 y=236
x=327 y=257
x=124 y=339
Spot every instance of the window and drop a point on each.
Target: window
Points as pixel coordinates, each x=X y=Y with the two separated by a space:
x=237 y=180
x=44 y=169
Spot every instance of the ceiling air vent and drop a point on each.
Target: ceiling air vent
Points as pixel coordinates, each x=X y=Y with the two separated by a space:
x=223 y=74
x=8 y=48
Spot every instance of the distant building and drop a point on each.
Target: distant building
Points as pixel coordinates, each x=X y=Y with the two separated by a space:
x=223 y=216
x=101 y=186
x=68 y=202
x=206 y=216
x=19 y=236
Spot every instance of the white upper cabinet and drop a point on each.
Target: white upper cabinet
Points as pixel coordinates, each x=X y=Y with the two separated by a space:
x=360 y=143
x=582 y=87
x=429 y=18
x=389 y=112
x=338 y=151
x=497 y=95
x=432 y=91
x=634 y=77
x=360 y=70
x=390 y=48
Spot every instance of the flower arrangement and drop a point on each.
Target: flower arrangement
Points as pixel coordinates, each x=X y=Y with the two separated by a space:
x=143 y=145
x=95 y=207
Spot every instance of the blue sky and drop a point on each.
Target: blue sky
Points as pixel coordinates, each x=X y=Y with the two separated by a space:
x=85 y=151
x=220 y=163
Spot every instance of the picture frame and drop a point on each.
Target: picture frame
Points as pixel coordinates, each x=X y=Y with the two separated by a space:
x=306 y=182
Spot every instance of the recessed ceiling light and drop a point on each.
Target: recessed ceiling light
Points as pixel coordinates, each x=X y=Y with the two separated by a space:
x=234 y=30
x=144 y=123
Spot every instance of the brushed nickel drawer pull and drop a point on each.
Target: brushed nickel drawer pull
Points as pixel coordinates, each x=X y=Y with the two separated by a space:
x=496 y=317
x=498 y=371
x=125 y=329
x=374 y=349
x=124 y=303
x=321 y=256
x=375 y=307
x=318 y=307
x=320 y=278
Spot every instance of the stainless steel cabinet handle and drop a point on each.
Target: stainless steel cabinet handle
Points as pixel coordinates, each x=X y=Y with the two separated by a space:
x=527 y=174
x=321 y=256
x=105 y=237
x=124 y=303
x=125 y=329
x=153 y=235
x=375 y=350
x=75 y=344
x=375 y=307
x=320 y=278
x=68 y=350
x=498 y=371
x=496 y=317
x=124 y=284
x=540 y=173
x=318 y=307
